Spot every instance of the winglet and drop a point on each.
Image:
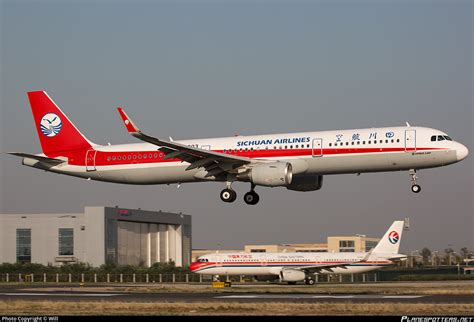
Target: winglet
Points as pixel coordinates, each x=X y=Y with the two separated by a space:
x=131 y=127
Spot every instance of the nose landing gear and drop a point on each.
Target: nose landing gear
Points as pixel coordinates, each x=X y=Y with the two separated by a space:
x=414 y=187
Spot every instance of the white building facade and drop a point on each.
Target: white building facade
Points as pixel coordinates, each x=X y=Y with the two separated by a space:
x=99 y=235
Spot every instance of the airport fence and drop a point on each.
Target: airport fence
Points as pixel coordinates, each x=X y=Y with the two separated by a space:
x=439 y=273
x=103 y=278
x=159 y=278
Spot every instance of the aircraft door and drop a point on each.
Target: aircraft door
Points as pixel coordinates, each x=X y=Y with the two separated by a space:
x=410 y=140
x=90 y=160
x=205 y=147
x=317 y=147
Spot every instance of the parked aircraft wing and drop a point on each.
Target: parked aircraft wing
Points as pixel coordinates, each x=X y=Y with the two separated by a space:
x=215 y=163
x=323 y=267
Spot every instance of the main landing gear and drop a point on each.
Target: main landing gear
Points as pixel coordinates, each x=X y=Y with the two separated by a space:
x=251 y=197
x=309 y=280
x=229 y=195
x=414 y=187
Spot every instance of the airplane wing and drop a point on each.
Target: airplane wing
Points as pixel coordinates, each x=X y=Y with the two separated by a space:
x=216 y=164
x=319 y=268
x=37 y=157
x=329 y=267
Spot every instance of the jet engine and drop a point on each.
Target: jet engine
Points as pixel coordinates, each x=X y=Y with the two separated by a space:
x=292 y=275
x=306 y=183
x=272 y=174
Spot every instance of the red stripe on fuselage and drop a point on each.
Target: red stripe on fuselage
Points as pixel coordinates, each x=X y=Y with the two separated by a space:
x=106 y=158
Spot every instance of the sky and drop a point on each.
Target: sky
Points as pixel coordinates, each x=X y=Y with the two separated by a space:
x=191 y=69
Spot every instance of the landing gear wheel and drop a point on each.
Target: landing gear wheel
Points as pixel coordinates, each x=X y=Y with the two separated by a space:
x=309 y=281
x=415 y=188
x=228 y=195
x=251 y=198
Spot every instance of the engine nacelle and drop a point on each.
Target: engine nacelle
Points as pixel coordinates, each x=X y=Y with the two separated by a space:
x=273 y=174
x=306 y=183
x=264 y=278
x=292 y=275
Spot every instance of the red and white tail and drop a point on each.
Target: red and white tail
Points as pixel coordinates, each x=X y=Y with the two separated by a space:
x=56 y=132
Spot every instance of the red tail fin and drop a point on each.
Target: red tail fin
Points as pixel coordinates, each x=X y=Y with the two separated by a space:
x=56 y=132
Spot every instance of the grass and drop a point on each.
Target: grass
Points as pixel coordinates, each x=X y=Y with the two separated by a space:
x=21 y=307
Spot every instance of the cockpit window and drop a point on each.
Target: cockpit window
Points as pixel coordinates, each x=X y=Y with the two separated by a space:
x=440 y=138
x=433 y=138
x=448 y=138
x=202 y=260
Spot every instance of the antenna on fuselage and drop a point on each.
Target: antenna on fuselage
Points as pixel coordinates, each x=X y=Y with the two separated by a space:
x=408 y=124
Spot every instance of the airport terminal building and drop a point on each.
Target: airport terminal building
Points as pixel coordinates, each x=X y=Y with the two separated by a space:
x=99 y=235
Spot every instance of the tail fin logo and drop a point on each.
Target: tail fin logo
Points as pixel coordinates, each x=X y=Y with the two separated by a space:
x=393 y=237
x=51 y=124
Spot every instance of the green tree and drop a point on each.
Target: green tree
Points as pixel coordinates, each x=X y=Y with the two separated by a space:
x=426 y=254
x=464 y=252
x=447 y=257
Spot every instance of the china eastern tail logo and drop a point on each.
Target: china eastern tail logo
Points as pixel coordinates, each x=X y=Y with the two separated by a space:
x=50 y=125
x=393 y=237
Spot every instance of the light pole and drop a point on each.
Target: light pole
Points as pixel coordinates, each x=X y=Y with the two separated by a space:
x=434 y=258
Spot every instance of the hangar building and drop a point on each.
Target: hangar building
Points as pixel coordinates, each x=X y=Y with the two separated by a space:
x=99 y=235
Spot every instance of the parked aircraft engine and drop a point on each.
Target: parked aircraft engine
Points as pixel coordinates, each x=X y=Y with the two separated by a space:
x=292 y=275
x=270 y=174
x=306 y=183
x=264 y=278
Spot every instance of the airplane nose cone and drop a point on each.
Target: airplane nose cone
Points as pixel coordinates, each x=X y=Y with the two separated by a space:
x=193 y=266
x=461 y=152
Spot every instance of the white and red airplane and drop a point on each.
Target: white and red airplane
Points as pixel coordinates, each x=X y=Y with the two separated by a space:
x=295 y=267
x=296 y=161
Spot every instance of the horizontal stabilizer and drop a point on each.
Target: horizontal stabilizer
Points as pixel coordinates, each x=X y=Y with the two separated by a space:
x=37 y=157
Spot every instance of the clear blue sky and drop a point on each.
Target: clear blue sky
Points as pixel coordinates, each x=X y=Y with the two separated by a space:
x=209 y=69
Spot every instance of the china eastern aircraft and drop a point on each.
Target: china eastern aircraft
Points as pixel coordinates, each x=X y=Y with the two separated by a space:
x=296 y=161
x=296 y=267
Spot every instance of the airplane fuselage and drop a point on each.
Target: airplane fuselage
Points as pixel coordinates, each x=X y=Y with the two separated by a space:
x=273 y=263
x=310 y=153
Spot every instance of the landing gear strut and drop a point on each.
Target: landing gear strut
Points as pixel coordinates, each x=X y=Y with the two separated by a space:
x=228 y=194
x=251 y=197
x=414 y=187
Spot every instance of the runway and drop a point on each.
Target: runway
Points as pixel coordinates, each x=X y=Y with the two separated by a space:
x=231 y=297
